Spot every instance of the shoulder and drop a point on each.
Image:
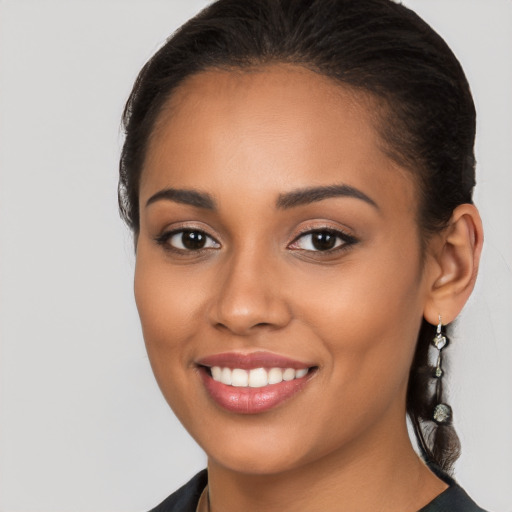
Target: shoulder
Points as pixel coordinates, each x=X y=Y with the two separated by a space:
x=454 y=499
x=185 y=498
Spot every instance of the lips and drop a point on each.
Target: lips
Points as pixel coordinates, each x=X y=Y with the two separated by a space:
x=253 y=383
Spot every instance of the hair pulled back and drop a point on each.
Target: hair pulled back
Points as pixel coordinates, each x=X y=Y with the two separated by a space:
x=376 y=46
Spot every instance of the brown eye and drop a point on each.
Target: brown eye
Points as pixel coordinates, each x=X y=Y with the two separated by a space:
x=322 y=240
x=318 y=241
x=191 y=240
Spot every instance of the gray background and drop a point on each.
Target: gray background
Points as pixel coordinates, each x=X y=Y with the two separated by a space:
x=82 y=424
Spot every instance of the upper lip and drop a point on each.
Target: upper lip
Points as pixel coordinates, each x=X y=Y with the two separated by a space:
x=252 y=360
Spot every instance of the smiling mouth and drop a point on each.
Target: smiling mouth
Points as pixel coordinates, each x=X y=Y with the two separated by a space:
x=251 y=389
x=256 y=377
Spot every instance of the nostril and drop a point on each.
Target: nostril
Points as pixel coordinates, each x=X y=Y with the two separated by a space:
x=221 y=326
x=240 y=313
x=244 y=328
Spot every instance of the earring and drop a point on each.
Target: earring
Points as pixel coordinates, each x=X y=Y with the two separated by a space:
x=442 y=412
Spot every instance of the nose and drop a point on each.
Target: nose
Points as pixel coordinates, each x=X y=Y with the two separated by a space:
x=250 y=297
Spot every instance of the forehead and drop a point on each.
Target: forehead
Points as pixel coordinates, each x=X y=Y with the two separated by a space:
x=279 y=98
x=282 y=125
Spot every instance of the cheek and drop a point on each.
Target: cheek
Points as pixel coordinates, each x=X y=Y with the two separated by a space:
x=165 y=297
x=362 y=295
x=368 y=315
x=167 y=308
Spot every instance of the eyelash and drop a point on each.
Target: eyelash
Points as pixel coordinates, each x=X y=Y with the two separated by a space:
x=346 y=241
x=164 y=241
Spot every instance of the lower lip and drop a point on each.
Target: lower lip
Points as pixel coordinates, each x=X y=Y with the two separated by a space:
x=245 y=400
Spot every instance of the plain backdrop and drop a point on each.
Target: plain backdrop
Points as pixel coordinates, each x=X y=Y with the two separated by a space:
x=83 y=426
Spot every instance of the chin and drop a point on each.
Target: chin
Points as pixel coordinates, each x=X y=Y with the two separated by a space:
x=261 y=447
x=255 y=462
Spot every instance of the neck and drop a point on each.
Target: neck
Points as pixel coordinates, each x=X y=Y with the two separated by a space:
x=378 y=472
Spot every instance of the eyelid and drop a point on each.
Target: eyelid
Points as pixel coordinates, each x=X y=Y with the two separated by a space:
x=170 y=231
x=167 y=233
x=324 y=226
x=346 y=238
x=178 y=226
x=210 y=242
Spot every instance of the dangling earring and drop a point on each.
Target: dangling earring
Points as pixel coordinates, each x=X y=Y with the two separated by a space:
x=442 y=412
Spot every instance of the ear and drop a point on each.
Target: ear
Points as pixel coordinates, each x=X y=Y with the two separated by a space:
x=453 y=265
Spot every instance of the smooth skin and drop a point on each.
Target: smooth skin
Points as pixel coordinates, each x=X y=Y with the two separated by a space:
x=247 y=139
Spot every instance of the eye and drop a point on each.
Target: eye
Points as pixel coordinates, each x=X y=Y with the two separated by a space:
x=186 y=240
x=322 y=240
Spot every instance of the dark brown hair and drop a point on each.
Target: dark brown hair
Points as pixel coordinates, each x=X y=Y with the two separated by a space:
x=376 y=46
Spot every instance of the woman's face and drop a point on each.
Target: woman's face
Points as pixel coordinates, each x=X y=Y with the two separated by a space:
x=275 y=233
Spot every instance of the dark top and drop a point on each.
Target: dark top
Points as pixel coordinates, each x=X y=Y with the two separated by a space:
x=185 y=499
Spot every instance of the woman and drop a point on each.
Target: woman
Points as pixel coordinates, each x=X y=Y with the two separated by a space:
x=298 y=179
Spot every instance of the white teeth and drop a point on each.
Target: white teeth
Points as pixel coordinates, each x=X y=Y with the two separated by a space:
x=239 y=378
x=217 y=373
x=301 y=373
x=275 y=376
x=225 y=376
x=257 y=377
x=289 y=374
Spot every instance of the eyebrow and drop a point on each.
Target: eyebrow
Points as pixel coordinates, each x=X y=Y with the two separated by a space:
x=309 y=195
x=190 y=197
x=288 y=200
